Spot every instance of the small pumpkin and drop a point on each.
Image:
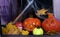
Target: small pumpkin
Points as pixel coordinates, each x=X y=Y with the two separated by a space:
x=24 y=32
x=19 y=25
x=51 y=24
x=38 y=31
x=30 y=23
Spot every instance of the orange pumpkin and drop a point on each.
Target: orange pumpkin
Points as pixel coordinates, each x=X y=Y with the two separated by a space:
x=51 y=24
x=31 y=23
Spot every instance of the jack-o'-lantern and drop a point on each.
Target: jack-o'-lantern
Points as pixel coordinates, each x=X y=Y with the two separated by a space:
x=51 y=24
x=30 y=23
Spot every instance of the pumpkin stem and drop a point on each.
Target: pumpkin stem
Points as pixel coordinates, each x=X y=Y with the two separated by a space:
x=31 y=15
x=50 y=15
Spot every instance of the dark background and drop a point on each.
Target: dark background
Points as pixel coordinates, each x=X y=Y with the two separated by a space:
x=22 y=4
x=47 y=3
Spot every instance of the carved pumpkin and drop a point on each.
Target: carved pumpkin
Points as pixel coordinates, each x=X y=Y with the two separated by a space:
x=31 y=23
x=51 y=24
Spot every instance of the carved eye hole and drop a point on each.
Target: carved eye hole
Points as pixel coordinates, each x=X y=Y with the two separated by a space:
x=52 y=21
